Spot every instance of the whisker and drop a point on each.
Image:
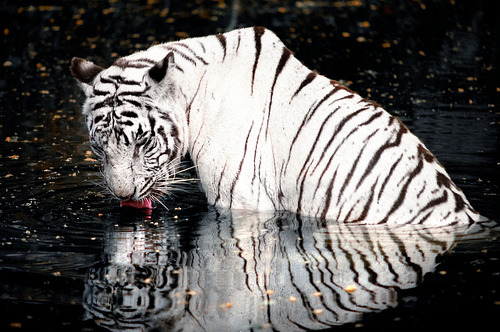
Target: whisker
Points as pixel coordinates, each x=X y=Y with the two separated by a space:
x=182 y=180
x=182 y=170
x=158 y=200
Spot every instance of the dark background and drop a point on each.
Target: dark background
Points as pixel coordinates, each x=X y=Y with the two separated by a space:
x=432 y=63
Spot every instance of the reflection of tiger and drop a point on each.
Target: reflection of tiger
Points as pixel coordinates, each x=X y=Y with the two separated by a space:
x=252 y=271
x=264 y=131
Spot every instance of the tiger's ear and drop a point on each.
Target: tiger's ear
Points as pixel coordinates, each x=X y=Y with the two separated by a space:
x=84 y=71
x=159 y=71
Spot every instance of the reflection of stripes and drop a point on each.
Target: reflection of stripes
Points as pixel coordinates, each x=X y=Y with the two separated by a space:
x=251 y=269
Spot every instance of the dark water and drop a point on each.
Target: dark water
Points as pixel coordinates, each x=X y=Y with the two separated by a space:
x=71 y=259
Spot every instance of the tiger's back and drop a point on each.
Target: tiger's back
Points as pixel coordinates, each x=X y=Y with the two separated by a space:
x=267 y=133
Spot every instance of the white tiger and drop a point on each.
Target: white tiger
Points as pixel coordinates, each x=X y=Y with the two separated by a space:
x=264 y=132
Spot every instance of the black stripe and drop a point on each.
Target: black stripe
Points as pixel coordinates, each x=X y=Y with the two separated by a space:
x=430 y=205
x=219 y=185
x=120 y=80
x=238 y=43
x=138 y=65
x=161 y=131
x=255 y=154
x=393 y=167
x=99 y=92
x=174 y=131
x=150 y=61
x=108 y=102
x=309 y=114
x=349 y=96
x=122 y=63
x=202 y=47
x=301 y=190
x=117 y=78
x=459 y=203
x=146 y=187
x=118 y=131
x=233 y=185
x=351 y=172
x=421 y=221
x=181 y=54
x=152 y=122
x=259 y=31
x=424 y=186
x=188 y=108
x=425 y=153
x=285 y=55
x=198 y=153
x=348 y=178
x=309 y=78
x=373 y=117
x=129 y=114
x=376 y=115
x=165 y=117
x=291 y=257
x=368 y=204
x=388 y=145
x=222 y=40
x=105 y=80
x=338 y=129
x=403 y=191
x=133 y=102
x=139 y=133
x=135 y=93
x=405 y=259
x=126 y=123
x=98 y=118
x=127 y=82
x=311 y=150
x=199 y=58
x=443 y=180
x=328 y=198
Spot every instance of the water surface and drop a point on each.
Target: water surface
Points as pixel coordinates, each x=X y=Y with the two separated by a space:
x=71 y=259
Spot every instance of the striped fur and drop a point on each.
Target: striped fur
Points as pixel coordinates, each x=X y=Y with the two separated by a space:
x=264 y=132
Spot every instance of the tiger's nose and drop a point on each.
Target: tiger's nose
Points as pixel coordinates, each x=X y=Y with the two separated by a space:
x=123 y=198
x=120 y=181
x=124 y=193
x=123 y=189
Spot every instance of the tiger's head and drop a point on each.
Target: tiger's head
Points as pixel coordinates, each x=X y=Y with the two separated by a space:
x=130 y=128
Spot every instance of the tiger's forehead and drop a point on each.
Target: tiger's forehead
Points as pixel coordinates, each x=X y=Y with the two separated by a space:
x=119 y=90
x=120 y=80
x=119 y=97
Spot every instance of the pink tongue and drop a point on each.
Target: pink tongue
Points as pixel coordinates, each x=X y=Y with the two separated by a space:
x=143 y=204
